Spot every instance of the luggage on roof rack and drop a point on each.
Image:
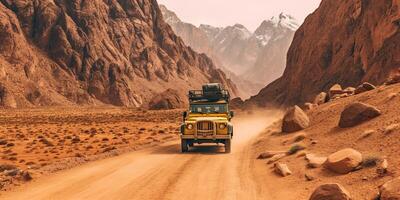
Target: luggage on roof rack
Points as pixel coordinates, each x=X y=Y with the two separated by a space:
x=210 y=92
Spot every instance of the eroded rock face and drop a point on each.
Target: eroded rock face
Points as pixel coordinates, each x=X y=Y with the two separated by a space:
x=359 y=44
x=357 y=113
x=343 y=161
x=95 y=52
x=332 y=191
x=294 y=120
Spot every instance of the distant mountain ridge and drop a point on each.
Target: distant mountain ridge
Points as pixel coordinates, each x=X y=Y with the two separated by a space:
x=256 y=58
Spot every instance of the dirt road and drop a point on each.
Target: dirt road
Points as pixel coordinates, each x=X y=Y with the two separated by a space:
x=163 y=173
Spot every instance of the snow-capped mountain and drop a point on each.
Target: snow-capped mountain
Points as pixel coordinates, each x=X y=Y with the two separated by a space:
x=258 y=57
x=275 y=28
x=275 y=36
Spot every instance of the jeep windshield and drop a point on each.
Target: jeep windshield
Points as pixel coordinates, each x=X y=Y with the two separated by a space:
x=208 y=108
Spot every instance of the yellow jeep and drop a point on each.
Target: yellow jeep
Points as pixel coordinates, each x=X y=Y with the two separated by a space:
x=208 y=119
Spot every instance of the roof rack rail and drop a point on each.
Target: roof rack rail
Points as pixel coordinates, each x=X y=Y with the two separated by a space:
x=211 y=92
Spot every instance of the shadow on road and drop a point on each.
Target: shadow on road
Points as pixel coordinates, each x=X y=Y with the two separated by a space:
x=197 y=149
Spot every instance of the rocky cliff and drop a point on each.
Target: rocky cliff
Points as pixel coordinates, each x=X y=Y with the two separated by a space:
x=345 y=42
x=68 y=52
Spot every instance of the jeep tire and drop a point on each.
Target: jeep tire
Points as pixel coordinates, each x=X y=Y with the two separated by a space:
x=184 y=146
x=228 y=146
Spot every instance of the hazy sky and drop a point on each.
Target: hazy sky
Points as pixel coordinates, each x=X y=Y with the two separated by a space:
x=247 y=12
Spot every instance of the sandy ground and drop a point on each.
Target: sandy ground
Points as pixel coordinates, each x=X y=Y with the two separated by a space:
x=41 y=141
x=164 y=173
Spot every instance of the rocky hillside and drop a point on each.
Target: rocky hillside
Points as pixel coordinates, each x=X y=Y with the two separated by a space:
x=240 y=51
x=93 y=52
x=346 y=42
x=346 y=148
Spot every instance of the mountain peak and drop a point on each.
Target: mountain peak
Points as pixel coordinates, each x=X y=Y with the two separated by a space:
x=285 y=20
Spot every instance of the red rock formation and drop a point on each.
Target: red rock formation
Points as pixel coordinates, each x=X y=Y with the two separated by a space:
x=346 y=42
x=118 y=52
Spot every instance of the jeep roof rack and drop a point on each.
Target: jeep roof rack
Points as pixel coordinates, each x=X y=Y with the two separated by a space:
x=210 y=93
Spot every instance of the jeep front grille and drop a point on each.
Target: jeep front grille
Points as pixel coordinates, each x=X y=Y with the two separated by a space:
x=205 y=126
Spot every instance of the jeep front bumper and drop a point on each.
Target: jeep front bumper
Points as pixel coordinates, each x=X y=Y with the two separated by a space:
x=208 y=137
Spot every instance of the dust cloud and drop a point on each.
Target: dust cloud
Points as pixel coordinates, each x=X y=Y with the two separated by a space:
x=248 y=125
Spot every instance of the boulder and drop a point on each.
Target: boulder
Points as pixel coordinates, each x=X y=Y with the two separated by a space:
x=321 y=98
x=26 y=176
x=282 y=169
x=383 y=167
x=236 y=103
x=315 y=161
x=309 y=177
x=294 y=120
x=331 y=191
x=349 y=90
x=276 y=158
x=309 y=106
x=393 y=79
x=344 y=161
x=339 y=96
x=364 y=88
x=390 y=190
x=269 y=154
x=367 y=133
x=391 y=128
x=335 y=90
x=169 y=99
x=356 y=113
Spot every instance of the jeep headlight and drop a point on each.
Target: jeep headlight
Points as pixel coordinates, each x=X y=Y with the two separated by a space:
x=189 y=126
x=222 y=126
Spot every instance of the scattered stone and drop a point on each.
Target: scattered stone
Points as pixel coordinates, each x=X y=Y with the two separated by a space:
x=11 y=172
x=390 y=190
x=383 y=167
x=395 y=78
x=333 y=191
x=309 y=106
x=349 y=90
x=75 y=140
x=315 y=161
x=26 y=176
x=269 y=154
x=309 y=177
x=339 y=96
x=301 y=154
x=299 y=137
x=296 y=148
x=356 y=113
x=367 y=133
x=391 y=128
x=321 y=98
x=3 y=142
x=344 y=161
x=4 y=167
x=392 y=95
x=334 y=90
x=294 y=120
x=282 y=169
x=276 y=158
x=364 y=88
